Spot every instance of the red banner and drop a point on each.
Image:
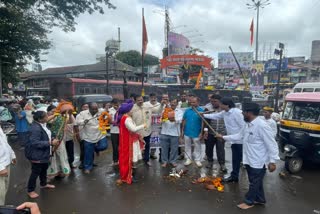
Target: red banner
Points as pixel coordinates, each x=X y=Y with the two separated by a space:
x=190 y=59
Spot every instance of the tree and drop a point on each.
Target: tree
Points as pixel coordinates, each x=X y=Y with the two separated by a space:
x=25 y=24
x=134 y=57
x=195 y=50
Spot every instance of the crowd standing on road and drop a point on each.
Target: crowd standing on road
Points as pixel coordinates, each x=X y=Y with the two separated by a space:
x=48 y=131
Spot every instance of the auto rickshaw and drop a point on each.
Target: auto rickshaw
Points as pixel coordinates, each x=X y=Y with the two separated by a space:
x=300 y=130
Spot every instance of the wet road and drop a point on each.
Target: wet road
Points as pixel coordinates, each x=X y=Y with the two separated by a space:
x=155 y=193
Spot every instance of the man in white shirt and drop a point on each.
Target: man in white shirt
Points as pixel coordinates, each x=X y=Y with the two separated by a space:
x=233 y=120
x=155 y=119
x=114 y=131
x=142 y=114
x=267 y=112
x=259 y=149
x=170 y=133
x=78 y=136
x=7 y=157
x=94 y=140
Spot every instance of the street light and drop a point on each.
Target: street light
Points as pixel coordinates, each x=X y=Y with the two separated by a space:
x=278 y=52
x=112 y=46
x=256 y=4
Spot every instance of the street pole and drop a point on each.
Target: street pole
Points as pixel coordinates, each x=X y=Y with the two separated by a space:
x=278 y=83
x=256 y=4
x=257 y=32
x=0 y=78
x=125 y=85
x=107 y=73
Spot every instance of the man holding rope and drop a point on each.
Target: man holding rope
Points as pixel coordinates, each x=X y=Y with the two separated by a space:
x=210 y=139
x=233 y=120
x=94 y=139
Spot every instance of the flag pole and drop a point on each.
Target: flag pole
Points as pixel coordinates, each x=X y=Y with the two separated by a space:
x=142 y=57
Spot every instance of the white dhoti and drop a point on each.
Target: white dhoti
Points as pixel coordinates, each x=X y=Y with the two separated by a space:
x=136 y=152
x=4 y=186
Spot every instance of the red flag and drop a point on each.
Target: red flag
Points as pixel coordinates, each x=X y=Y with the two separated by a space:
x=144 y=36
x=251 y=35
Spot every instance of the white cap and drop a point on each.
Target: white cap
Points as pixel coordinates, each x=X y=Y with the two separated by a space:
x=205 y=129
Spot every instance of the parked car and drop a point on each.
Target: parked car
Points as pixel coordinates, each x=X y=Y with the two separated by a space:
x=101 y=99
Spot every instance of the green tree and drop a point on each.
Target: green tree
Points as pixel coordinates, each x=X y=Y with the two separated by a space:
x=25 y=24
x=133 y=58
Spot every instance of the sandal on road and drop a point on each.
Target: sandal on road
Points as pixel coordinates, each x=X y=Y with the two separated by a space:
x=48 y=186
x=244 y=206
x=33 y=195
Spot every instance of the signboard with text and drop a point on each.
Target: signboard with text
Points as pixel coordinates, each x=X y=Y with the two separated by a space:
x=273 y=65
x=189 y=59
x=257 y=77
x=227 y=61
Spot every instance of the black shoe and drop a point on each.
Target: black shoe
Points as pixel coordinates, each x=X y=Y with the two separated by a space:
x=80 y=166
x=181 y=157
x=209 y=165
x=153 y=157
x=223 y=168
x=259 y=203
x=95 y=165
x=231 y=180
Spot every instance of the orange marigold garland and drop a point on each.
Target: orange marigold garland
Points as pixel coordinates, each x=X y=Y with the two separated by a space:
x=210 y=183
x=104 y=122
x=165 y=114
x=63 y=107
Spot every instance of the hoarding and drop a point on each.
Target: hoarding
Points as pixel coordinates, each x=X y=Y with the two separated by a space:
x=273 y=65
x=227 y=61
x=189 y=59
x=257 y=77
x=178 y=44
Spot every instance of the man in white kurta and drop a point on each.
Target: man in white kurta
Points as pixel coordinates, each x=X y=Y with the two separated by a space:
x=7 y=157
x=142 y=114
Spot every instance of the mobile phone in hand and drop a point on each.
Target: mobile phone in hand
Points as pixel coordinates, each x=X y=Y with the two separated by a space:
x=13 y=210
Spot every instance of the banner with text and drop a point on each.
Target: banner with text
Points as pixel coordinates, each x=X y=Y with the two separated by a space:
x=227 y=61
x=189 y=59
x=257 y=77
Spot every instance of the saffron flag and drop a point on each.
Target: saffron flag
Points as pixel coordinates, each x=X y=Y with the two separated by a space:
x=251 y=35
x=198 y=80
x=144 y=36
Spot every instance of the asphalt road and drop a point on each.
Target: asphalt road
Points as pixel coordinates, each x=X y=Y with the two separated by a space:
x=156 y=193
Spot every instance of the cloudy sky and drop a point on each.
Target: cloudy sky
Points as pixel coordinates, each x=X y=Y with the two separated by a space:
x=220 y=22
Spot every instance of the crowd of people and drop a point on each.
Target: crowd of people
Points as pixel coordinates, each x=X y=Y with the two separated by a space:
x=48 y=134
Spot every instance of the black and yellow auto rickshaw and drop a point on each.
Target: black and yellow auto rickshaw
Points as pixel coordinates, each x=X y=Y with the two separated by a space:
x=300 y=130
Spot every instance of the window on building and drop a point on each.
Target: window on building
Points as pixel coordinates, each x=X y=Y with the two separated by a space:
x=87 y=90
x=81 y=90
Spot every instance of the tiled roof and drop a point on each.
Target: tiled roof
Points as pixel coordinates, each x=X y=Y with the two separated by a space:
x=97 y=67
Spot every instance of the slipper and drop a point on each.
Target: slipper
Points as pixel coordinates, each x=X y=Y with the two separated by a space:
x=259 y=203
x=244 y=206
x=33 y=195
x=164 y=165
x=48 y=186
